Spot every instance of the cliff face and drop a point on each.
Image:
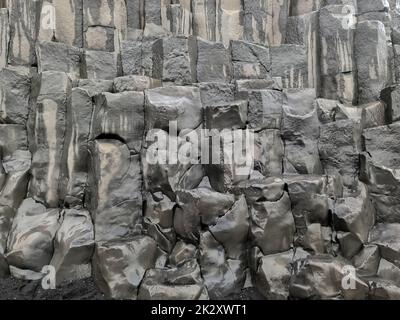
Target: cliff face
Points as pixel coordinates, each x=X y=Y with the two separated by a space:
x=306 y=92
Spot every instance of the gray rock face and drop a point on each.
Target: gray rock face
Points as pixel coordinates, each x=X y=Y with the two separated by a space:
x=193 y=149
x=49 y=129
x=250 y=61
x=54 y=56
x=290 y=63
x=121 y=266
x=30 y=242
x=213 y=62
x=182 y=283
x=181 y=104
x=116 y=214
x=272 y=225
x=73 y=246
x=15 y=85
x=340 y=154
x=336 y=54
x=306 y=285
x=371 y=57
x=121 y=115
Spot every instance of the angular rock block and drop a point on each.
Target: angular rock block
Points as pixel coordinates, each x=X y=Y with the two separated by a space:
x=101 y=65
x=120 y=115
x=272 y=225
x=183 y=252
x=182 y=283
x=391 y=97
x=230 y=115
x=24 y=20
x=216 y=93
x=4 y=37
x=53 y=56
x=213 y=62
x=178 y=168
x=14 y=177
x=48 y=130
x=100 y=13
x=142 y=58
x=371 y=56
x=268 y=152
x=250 y=61
x=12 y=138
x=135 y=83
x=386 y=237
x=378 y=171
x=259 y=190
x=119 y=267
x=231 y=229
x=380 y=143
x=62 y=21
x=340 y=153
x=30 y=242
x=367 y=261
x=380 y=179
x=181 y=104
x=231 y=159
x=265 y=109
x=290 y=63
x=179 y=60
x=311 y=200
x=355 y=215
x=332 y=270
x=159 y=220
x=115 y=182
x=15 y=83
x=245 y=87
x=96 y=86
x=300 y=134
x=73 y=246
x=274 y=272
x=338 y=80
x=201 y=205
x=222 y=276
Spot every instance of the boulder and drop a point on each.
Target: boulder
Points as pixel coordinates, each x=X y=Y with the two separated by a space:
x=180 y=283
x=119 y=267
x=30 y=242
x=73 y=246
x=272 y=225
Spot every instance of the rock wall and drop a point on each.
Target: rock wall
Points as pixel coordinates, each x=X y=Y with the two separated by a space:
x=85 y=83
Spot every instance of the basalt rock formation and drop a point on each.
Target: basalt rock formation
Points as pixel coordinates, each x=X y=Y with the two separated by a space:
x=84 y=84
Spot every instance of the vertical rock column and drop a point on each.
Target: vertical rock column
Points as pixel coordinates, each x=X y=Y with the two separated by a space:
x=338 y=77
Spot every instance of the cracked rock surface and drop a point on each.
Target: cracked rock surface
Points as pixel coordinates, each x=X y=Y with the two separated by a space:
x=86 y=103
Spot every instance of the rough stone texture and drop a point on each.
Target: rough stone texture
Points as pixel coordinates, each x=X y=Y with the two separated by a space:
x=200 y=149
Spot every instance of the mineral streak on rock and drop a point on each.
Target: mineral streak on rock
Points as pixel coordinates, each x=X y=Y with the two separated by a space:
x=118 y=122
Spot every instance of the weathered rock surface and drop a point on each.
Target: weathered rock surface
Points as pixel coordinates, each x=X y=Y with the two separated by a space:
x=197 y=149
